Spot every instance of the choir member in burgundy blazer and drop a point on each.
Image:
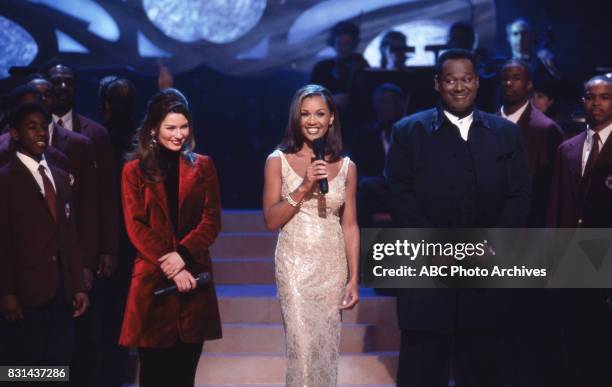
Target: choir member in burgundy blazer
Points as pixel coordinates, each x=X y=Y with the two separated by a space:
x=62 y=79
x=172 y=214
x=41 y=278
x=582 y=197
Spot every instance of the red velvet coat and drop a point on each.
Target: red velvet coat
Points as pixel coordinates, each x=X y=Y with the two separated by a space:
x=158 y=321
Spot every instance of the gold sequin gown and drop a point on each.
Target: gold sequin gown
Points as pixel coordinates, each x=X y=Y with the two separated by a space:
x=311 y=275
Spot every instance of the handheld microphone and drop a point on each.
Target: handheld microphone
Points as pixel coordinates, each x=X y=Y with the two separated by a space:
x=201 y=280
x=319 y=150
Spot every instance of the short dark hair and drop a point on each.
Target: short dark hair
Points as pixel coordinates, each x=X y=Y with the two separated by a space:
x=15 y=96
x=519 y=63
x=344 y=28
x=21 y=111
x=601 y=78
x=452 y=54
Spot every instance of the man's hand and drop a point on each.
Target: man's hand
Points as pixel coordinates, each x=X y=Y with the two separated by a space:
x=108 y=265
x=172 y=264
x=10 y=308
x=80 y=303
x=88 y=278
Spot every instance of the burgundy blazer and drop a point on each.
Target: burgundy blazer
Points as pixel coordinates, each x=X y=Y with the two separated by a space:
x=587 y=206
x=80 y=153
x=194 y=316
x=108 y=216
x=31 y=242
x=542 y=137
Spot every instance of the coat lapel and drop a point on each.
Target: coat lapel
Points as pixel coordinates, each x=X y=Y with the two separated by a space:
x=23 y=174
x=575 y=163
x=187 y=176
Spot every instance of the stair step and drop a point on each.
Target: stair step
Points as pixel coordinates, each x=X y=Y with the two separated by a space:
x=270 y=338
x=244 y=244
x=258 y=304
x=243 y=221
x=377 y=368
x=244 y=271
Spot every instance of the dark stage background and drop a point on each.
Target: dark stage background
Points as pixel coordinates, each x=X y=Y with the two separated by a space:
x=240 y=62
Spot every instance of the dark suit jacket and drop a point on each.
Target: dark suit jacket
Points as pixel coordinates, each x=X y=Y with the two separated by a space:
x=542 y=137
x=438 y=180
x=108 y=216
x=581 y=201
x=194 y=316
x=80 y=153
x=367 y=151
x=31 y=242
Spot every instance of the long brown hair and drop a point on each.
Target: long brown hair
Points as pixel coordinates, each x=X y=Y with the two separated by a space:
x=294 y=139
x=146 y=147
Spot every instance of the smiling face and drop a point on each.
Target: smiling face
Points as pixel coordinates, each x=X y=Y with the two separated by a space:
x=457 y=85
x=315 y=117
x=173 y=131
x=32 y=135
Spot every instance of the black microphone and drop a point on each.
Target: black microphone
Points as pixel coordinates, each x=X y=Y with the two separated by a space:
x=319 y=150
x=201 y=280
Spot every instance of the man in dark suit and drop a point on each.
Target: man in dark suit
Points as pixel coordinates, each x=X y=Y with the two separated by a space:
x=41 y=281
x=542 y=136
x=368 y=149
x=536 y=323
x=455 y=166
x=63 y=91
x=582 y=197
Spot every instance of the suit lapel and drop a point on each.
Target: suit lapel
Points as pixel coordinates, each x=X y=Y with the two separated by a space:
x=76 y=123
x=605 y=155
x=187 y=177
x=23 y=175
x=575 y=163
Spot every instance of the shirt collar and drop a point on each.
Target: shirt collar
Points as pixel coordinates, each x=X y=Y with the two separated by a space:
x=66 y=118
x=32 y=164
x=603 y=133
x=514 y=117
x=441 y=118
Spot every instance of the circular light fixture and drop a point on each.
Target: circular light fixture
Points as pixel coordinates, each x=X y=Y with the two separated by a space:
x=216 y=21
x=18 y=47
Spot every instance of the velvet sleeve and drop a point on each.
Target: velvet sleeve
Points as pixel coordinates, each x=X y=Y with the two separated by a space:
x=152 y=244
x=198 y=240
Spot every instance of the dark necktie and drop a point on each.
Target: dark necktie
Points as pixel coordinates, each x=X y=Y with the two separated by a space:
x=50 y=197
x=60 y=122
x=592 y=155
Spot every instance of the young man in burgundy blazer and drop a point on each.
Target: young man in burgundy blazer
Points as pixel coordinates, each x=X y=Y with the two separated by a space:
x=41 y=276
x=582 y=197
x=89 y=328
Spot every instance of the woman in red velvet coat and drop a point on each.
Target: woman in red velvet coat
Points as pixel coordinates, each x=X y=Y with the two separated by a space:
x=172 y=214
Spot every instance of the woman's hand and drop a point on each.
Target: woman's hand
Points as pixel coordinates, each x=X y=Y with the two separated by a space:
x=184 y=281
x=80 y=303
x=172 y=264
x=315 y=172
x=351 y=296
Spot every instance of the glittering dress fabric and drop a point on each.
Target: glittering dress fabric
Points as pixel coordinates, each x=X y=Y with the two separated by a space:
x=311 y=274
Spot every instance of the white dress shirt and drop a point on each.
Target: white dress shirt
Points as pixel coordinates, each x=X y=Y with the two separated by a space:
x=514 y=117
x=462 y=123
x=588 y=143
x=32 y=166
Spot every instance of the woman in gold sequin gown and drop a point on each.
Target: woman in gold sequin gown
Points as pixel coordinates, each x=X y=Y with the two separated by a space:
x=318 y=245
